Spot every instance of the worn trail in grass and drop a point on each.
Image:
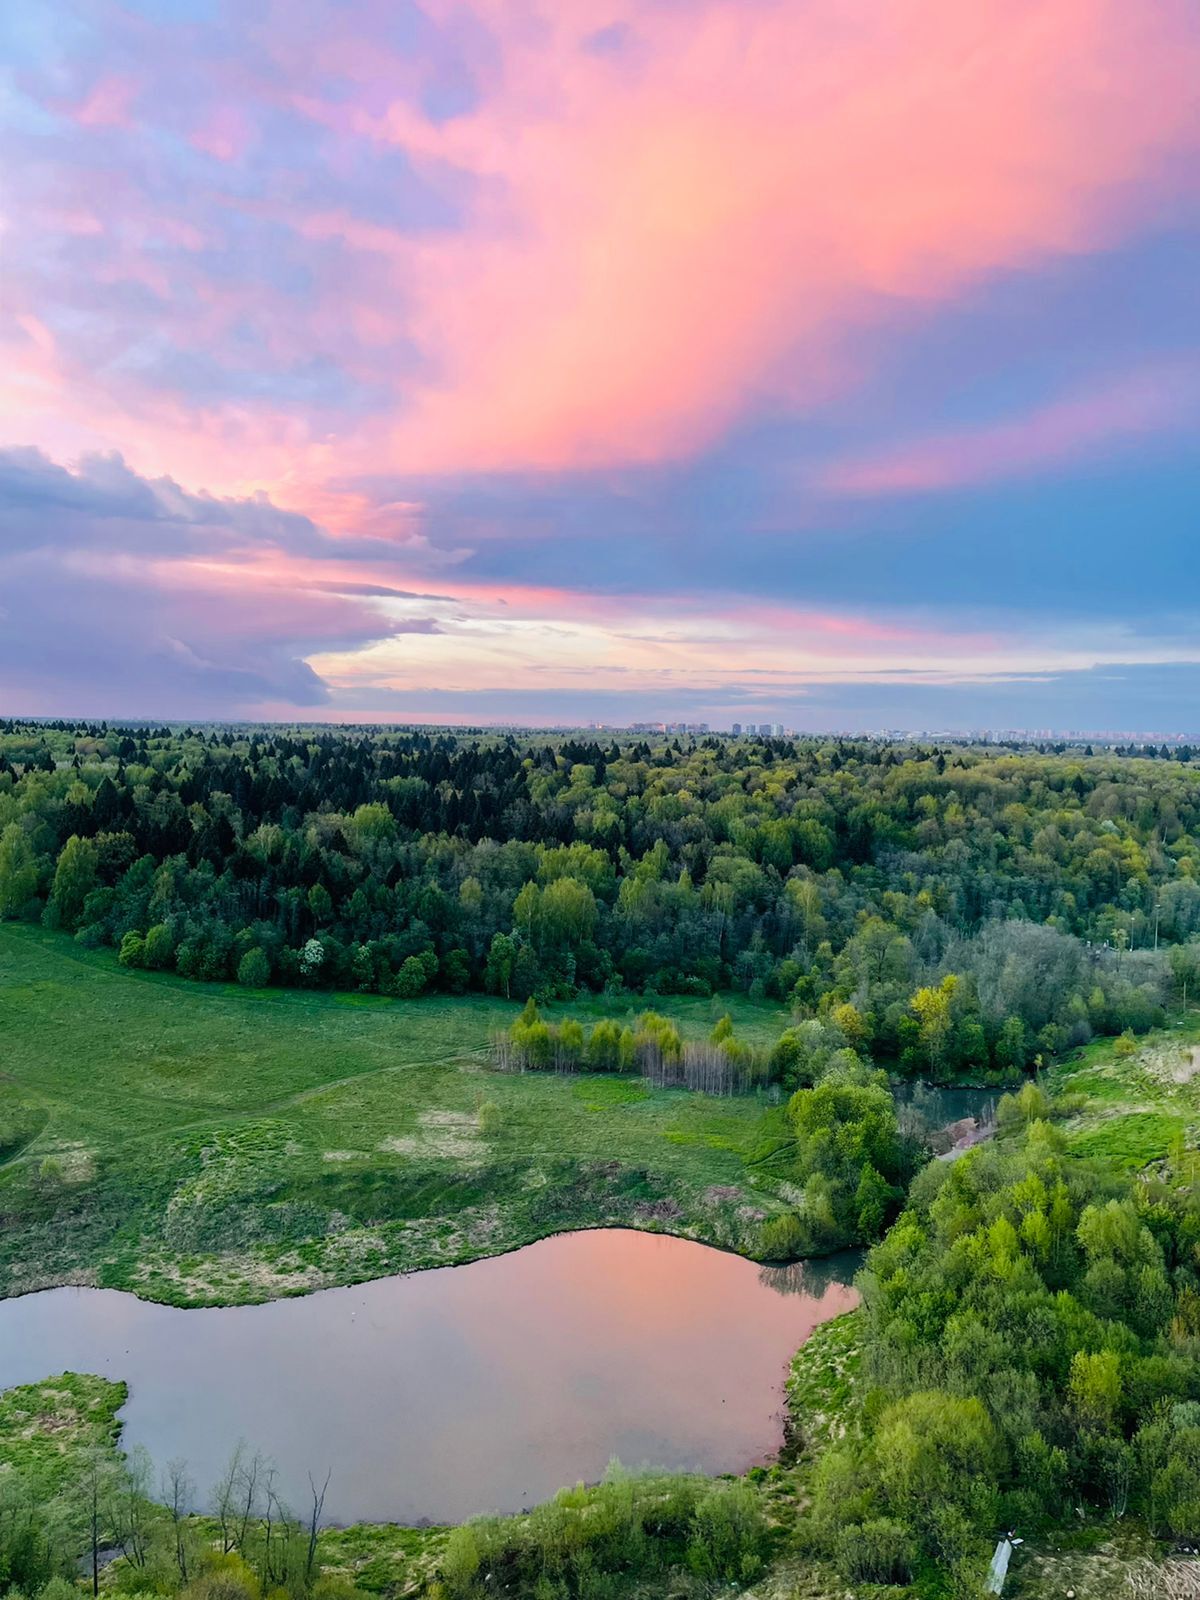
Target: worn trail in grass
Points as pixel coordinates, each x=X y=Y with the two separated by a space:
x=207 y=1145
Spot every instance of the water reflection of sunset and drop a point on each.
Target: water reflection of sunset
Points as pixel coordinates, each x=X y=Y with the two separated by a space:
x=461 y=1390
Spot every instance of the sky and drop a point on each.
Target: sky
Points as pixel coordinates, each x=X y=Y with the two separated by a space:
x=557 y=361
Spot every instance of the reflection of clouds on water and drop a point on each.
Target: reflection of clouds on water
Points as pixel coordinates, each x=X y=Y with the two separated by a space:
x=813 y=1277
x=461 y=1390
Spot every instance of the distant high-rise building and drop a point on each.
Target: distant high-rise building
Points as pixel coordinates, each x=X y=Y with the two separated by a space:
x=737 y=728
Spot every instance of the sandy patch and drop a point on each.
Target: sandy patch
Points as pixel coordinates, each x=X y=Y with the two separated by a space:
x=70 y=1163
x=1175 y=1064
x=449 y=1135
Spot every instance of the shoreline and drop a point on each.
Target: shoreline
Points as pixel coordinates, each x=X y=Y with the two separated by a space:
x=86 y=1280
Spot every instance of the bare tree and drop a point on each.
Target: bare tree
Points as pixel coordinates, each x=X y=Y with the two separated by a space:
x=178 y=1491
x=96 y=1484
x=314 y=1523
x=235 y=1497
x=268 y=1574
x=247 y=1495
x=128 y=1507
x=279 y=1530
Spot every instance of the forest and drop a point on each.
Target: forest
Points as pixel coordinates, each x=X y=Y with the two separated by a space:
x=950 y=910
x=1032 y=1347
x=1028 y=1348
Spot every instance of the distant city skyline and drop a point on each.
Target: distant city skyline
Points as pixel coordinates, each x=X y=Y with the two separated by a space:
x=730 y=362
x=1107 y=737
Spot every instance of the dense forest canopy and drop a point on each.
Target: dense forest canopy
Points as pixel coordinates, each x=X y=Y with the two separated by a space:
x=948 y=907
x=1033 y=1348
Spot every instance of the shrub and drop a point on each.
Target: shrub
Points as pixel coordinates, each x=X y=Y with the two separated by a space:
x=489 y=1117
x=727 y=1534
x=254 y=969
x=411 y=980
x=229 y=1581
x=456 y=972
x=782 y=1238
x=604 y=1046
x=160 y=947
x=879 y=1551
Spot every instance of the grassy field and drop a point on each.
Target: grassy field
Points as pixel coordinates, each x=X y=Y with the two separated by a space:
x=204 y=1145
x=1131 y=1109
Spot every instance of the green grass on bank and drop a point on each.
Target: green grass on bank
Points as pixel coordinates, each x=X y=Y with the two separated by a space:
x=203 y=1144
x=1131 y=1109
x=49 y=1430
x=823 y=1385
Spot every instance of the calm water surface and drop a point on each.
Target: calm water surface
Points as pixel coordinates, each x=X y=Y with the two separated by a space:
x=466 y=1389
x=938 y=1106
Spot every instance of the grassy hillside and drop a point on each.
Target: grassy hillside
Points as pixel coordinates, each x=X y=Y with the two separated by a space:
x=207 y=1144
x=1133 y=1102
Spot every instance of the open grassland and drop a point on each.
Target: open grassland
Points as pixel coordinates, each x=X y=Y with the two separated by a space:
x=1129 y=1109
x=211 y=1145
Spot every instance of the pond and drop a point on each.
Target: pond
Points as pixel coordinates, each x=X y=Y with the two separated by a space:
x=952 y=1119
x=461 y=1390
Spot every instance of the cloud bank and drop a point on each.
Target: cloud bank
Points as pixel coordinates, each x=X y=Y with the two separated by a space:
x=362 y=351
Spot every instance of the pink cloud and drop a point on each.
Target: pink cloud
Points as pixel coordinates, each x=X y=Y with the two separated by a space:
x=37 y=333
x=107 y=104
x=652 y=246
x=1064 y=431
x=658 y=246
x=225 y=134
x=262 y=571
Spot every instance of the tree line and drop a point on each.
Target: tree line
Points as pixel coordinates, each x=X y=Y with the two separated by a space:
x=846 y=879
x=721 y=1064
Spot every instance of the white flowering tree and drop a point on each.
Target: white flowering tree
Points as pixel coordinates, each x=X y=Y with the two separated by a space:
x=312 y=958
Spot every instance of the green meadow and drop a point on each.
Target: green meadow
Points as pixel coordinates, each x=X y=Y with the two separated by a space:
x=1132 y=1106
x=207 y=1144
